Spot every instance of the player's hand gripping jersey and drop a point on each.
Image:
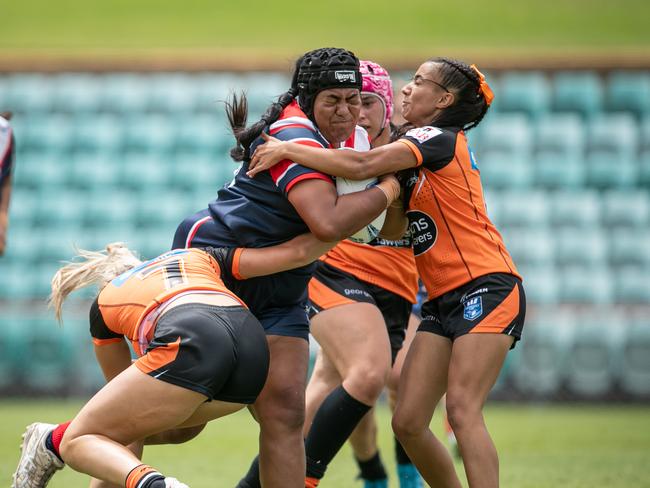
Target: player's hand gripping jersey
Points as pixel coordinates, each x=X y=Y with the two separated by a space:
x=454 y=241
x=130 y=304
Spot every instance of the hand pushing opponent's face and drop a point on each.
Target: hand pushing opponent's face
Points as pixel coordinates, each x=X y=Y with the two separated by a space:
x=336 y=112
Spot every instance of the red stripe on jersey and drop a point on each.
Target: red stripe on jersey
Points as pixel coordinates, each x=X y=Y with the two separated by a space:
x=309 y=176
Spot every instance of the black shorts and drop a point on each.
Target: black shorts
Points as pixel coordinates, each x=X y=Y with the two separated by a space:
x=494 y=303
x=279 y=301
x=330 y=287
x=220 y=352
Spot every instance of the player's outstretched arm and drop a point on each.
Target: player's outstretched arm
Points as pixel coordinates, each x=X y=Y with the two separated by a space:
x=355 y=165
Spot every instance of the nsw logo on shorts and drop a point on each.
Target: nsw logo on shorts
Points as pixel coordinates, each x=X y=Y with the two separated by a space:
x=473 y=308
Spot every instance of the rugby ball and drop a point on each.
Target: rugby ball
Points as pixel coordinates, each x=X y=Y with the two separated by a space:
x=370 y=231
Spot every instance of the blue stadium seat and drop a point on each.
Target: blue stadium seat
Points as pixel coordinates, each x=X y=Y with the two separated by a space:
x=629 y=91
x=630 y=247
x=23 y=245
x=203 y=134
x=629 y=208
x=172 y=93
x=530 y=246
x=143 y=169
x=541 y=283
x=125 y=93
x=523 y=208
x=102 y=133
x=645 y=133
x=154 y=133
x=581 y=246
x=12 y=345
x=27 y=93
x=503 y=169
x=594 y=359
x=95 y=171
x=528 y=92
x=615 y=134
x=552 y=172
x=155 y=210
x=23 y=207
x=569 y=208
x=52 y=133
x=57 y=243
x=607 y=171
x=586 y=284
x=635 y=369
x=17 y=280
x=633 y=285
x=540 y=365
x=578 y=91
x=561 y=136
x=110 y=209
x=61 y=208
x=77 y=93
x=202 y=174
x=43 y=170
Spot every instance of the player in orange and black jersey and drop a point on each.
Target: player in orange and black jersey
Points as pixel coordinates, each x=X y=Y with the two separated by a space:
x=201 y=355
x=7 y=154
x=476 y=304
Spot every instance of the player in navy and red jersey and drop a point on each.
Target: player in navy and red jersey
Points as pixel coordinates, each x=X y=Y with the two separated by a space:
x=194 y=339
x=7 y=154
x=274 y=207
x=476 y=304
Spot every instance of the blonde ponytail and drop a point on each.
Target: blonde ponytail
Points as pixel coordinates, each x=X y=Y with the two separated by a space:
x=93 y=268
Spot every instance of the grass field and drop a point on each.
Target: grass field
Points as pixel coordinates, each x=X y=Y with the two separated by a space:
x=257 y=31
x=546 y=446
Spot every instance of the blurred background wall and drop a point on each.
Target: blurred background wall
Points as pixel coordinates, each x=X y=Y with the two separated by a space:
x=121 y=133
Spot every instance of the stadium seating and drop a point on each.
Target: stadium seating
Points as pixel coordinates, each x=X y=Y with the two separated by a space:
x=564 y=158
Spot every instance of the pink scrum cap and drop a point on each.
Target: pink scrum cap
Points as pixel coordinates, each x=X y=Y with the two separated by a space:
x=376 y=80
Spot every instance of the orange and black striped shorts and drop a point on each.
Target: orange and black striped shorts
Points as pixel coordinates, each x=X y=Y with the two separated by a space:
x=493 y=304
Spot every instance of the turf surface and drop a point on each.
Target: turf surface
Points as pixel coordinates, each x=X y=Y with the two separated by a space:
x=578 y=446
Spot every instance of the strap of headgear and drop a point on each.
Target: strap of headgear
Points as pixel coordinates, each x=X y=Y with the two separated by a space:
x=483 y=87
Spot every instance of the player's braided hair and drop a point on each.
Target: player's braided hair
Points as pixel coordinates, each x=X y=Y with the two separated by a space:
x=470 y=106
x=314 y=72
x=94 y=268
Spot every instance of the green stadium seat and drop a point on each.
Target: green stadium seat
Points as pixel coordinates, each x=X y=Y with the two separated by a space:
x=23 y=207
x=635 y=369
x=560 y=136
x=586 y=284
x=633 y=285
x=155 y=209
x=578 y=91
x=519 y=208
x=12 y=345
x=626 y=209
x=22 y=245
x=530 y=246
x=528 y=92
x=198 y=173
x=17 y=280
x=541 y=283
x=629 y=91
x=110 y=208
x=539 y=369
x=594 y=359
x=65 y=208
x=502 y=169
x=581 y=246
x=504 y=132
x=630 y=247
x=607 y=171
x=571 y=208
x=125 y=93
x=57 y=243
x=42 y=170
x=552 y=172
x=77 y=93
x=644 y=169
x=645 y=133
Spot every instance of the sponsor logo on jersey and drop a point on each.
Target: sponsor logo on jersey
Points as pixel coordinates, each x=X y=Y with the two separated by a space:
x=345 y=76
x=473 y=308
x=423 y=134
x=472 y=159
x=424 y=231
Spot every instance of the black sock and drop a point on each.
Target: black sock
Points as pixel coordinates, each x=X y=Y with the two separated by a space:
x=372 y=469
x=400 y=454
x=334 y=422
x=154 y=482
x=50 y=445
x=252 y=477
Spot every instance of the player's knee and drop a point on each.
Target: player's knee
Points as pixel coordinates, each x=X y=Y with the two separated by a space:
x=405 y=427
x=461 y=411
x=285 y=411
x=366 y=383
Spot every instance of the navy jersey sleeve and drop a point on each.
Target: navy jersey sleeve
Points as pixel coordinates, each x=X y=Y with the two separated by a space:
x=434 y=148
x=286 y=173
x=98 y=328
x=7 y=149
